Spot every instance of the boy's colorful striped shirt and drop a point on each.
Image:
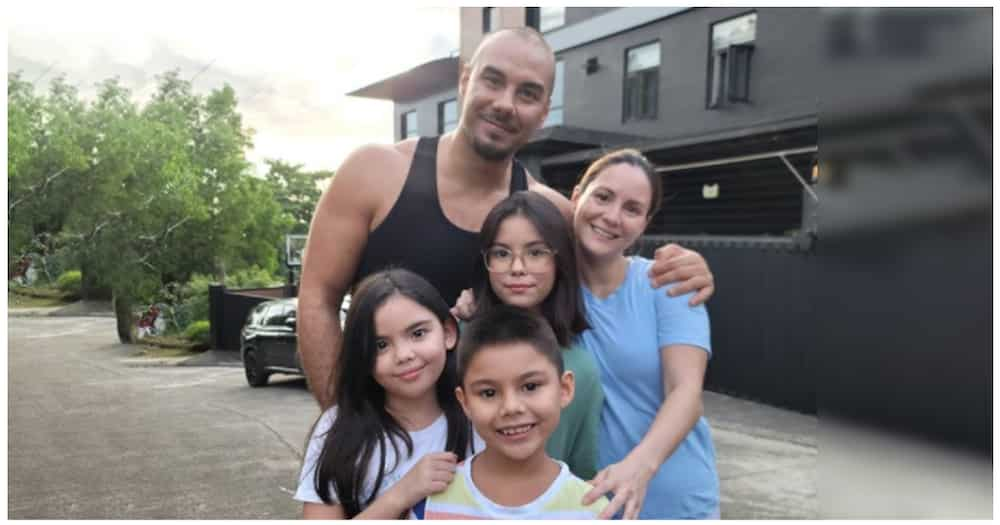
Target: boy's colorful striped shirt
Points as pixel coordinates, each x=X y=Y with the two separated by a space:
x=561 y=501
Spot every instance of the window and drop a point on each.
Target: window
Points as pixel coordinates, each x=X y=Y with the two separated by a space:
x=277 y=314
x=257 y=314
x=447 y=116
x=545 y=18
x=729 y=62
x=491 y=19
x=556 y=103
x=408 y=124
x=551 y=18
x=531 y=17
x=642 y=79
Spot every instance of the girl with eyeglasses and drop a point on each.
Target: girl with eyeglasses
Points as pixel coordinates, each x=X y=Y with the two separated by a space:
x=655 y=450
x=528 y=261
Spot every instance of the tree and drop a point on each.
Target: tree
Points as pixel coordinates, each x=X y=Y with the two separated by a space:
x=24 y=125
x=296 y=190
x=139 y=197
x=48 y=141
x=142 y=191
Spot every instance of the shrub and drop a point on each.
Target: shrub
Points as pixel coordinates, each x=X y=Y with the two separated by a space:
x=191 y=300
x=70 y=282
x=252 y=277
x=198 y=332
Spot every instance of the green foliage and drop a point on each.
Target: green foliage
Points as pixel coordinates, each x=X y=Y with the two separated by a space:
x=70 y=281
x=252 y=277
x=191 y=300
x=297 y=191
x=198 y=332
x=140 y=195
x=48 y=141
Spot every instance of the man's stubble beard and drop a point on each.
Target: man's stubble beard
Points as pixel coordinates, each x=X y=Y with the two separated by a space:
x=486 y=151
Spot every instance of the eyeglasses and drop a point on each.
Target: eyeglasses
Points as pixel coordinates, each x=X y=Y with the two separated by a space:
x=534 y=260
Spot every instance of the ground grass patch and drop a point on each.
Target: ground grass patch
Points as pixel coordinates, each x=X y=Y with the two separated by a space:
x=159 y=351
x=19 y=300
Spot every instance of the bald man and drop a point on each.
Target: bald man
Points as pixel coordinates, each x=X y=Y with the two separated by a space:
x=420 y=203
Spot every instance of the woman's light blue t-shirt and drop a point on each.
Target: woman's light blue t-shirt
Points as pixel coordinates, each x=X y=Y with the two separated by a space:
x=628 y=329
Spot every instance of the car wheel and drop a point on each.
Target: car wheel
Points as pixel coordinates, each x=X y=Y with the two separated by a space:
x=256 y=373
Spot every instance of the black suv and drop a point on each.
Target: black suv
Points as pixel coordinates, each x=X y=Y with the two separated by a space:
x=268 y=343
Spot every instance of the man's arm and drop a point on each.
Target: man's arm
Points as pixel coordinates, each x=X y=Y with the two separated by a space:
x=671 y=262
x=337 y=235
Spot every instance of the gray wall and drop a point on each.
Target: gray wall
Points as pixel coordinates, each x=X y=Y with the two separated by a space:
x=579 y=14
x=781 y=85
x=786 y=49
x=427 y=112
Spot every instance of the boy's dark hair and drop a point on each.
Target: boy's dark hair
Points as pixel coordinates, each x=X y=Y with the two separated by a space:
x=563 y=307
x=504 y=325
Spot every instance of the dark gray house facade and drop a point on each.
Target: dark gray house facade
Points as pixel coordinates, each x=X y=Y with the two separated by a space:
x=710 y=94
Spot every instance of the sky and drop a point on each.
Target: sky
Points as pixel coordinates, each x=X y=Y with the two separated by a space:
x=290 y=62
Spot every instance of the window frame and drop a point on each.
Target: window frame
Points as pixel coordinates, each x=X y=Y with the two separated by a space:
x=277 y=314
x=402 y=125
x=654 y=114
x=488 y=15
x=259 y=314
x=532 y=17
x=562 y=104
x=541 y=12
x=441 y=115
x=711 y=88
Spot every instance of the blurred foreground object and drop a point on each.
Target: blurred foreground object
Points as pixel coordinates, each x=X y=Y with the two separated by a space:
x=905 y=198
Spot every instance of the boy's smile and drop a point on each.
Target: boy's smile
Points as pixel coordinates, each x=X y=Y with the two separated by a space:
x=513 y=395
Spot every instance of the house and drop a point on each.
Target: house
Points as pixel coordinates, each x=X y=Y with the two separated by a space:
x=722 y=100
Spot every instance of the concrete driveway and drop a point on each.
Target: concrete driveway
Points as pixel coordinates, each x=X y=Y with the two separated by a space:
x=90 y=437
x=95 y=434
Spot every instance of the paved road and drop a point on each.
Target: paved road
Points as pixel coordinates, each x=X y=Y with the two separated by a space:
x=92 y=436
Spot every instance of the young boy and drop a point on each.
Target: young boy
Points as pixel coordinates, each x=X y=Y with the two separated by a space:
x=513 y=386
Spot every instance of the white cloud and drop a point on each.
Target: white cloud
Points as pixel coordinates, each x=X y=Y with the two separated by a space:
x=290 y=62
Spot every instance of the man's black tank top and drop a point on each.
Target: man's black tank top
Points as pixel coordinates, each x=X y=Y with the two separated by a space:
x=417 y=236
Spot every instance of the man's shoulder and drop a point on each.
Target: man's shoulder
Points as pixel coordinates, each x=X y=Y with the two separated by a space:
x=369 y=172
x=382 y=155
x=554 y=196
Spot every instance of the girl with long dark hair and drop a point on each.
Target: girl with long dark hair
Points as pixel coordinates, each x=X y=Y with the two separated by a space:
x=396 y=431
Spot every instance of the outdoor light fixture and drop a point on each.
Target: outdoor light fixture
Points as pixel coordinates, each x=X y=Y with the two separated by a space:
x=710 y=191
x=591 y=66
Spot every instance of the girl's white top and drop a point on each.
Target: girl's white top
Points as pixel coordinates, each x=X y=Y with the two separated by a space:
x=427 y=440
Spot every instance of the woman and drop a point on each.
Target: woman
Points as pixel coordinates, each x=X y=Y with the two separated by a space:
x=655 y=449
